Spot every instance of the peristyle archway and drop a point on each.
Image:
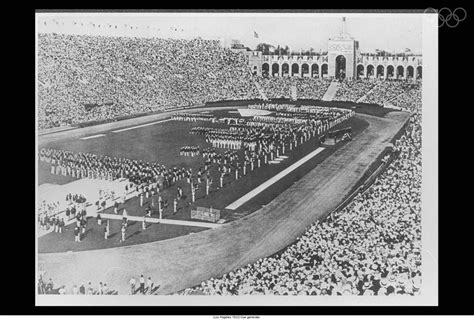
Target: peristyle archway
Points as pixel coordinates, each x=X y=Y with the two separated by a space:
x=340 y=67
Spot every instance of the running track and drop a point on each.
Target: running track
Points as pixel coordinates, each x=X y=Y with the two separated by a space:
x=118 y=126
x=187 y=260
x=241 y=201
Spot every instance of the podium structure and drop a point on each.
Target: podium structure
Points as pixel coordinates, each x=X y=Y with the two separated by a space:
x=206 y=214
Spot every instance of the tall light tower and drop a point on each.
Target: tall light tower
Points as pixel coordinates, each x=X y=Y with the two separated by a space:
x=344 y=30
x=342 y=48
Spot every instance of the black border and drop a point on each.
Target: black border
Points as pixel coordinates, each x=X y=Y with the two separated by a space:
x=454 y=252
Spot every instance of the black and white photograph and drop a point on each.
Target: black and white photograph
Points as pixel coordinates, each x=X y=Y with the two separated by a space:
x=236 y=158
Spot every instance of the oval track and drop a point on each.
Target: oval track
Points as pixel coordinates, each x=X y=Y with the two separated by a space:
x=186 y=261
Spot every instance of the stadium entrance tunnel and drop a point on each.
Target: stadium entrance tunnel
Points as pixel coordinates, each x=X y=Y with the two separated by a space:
x=400 y=72
x=360 y=71
x=265 y=69
x=285 y=69
x=380 y=71
x=340 y=67
x=390 y=70
x=370 y=71
x=295 y=69
x=324 y=70
x=275 y=69
x=304 y=70
x=314 y=70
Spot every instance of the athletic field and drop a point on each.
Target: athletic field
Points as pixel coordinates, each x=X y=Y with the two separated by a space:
x=160 y=141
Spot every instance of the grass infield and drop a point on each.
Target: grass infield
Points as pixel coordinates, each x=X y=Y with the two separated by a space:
x=161 y=142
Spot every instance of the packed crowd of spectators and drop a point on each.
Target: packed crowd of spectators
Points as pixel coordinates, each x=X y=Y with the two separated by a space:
x=87 y=78
x=306 y=87
x=387 y=91
x=409 y=99
x=353 y=90
x=381 y=92
x=370 y=247
x=275 y=87
x=311 y=88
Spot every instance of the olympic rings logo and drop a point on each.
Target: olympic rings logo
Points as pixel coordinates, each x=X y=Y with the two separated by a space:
x=448 y=17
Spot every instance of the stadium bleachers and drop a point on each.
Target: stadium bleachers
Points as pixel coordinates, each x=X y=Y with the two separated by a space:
x=87 y=78
x=306 y=88
x=370 y=247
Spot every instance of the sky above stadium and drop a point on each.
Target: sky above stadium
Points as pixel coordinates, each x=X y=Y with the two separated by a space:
x=391 y=32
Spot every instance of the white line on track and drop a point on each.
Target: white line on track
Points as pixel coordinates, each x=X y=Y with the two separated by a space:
x=142 y=125
x=94 y=136
x=273 y=180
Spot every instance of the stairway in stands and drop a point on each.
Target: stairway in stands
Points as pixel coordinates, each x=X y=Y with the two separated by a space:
x=293 y=92
x=362 y=98
x=259 y=88
x=331 y=91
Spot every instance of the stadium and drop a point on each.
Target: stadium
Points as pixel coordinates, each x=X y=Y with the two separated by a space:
x=188 y=167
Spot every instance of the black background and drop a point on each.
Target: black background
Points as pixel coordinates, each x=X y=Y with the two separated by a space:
x=456 y=274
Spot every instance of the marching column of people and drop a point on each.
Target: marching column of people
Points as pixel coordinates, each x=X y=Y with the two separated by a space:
x=51 y=216
x=88 y=165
